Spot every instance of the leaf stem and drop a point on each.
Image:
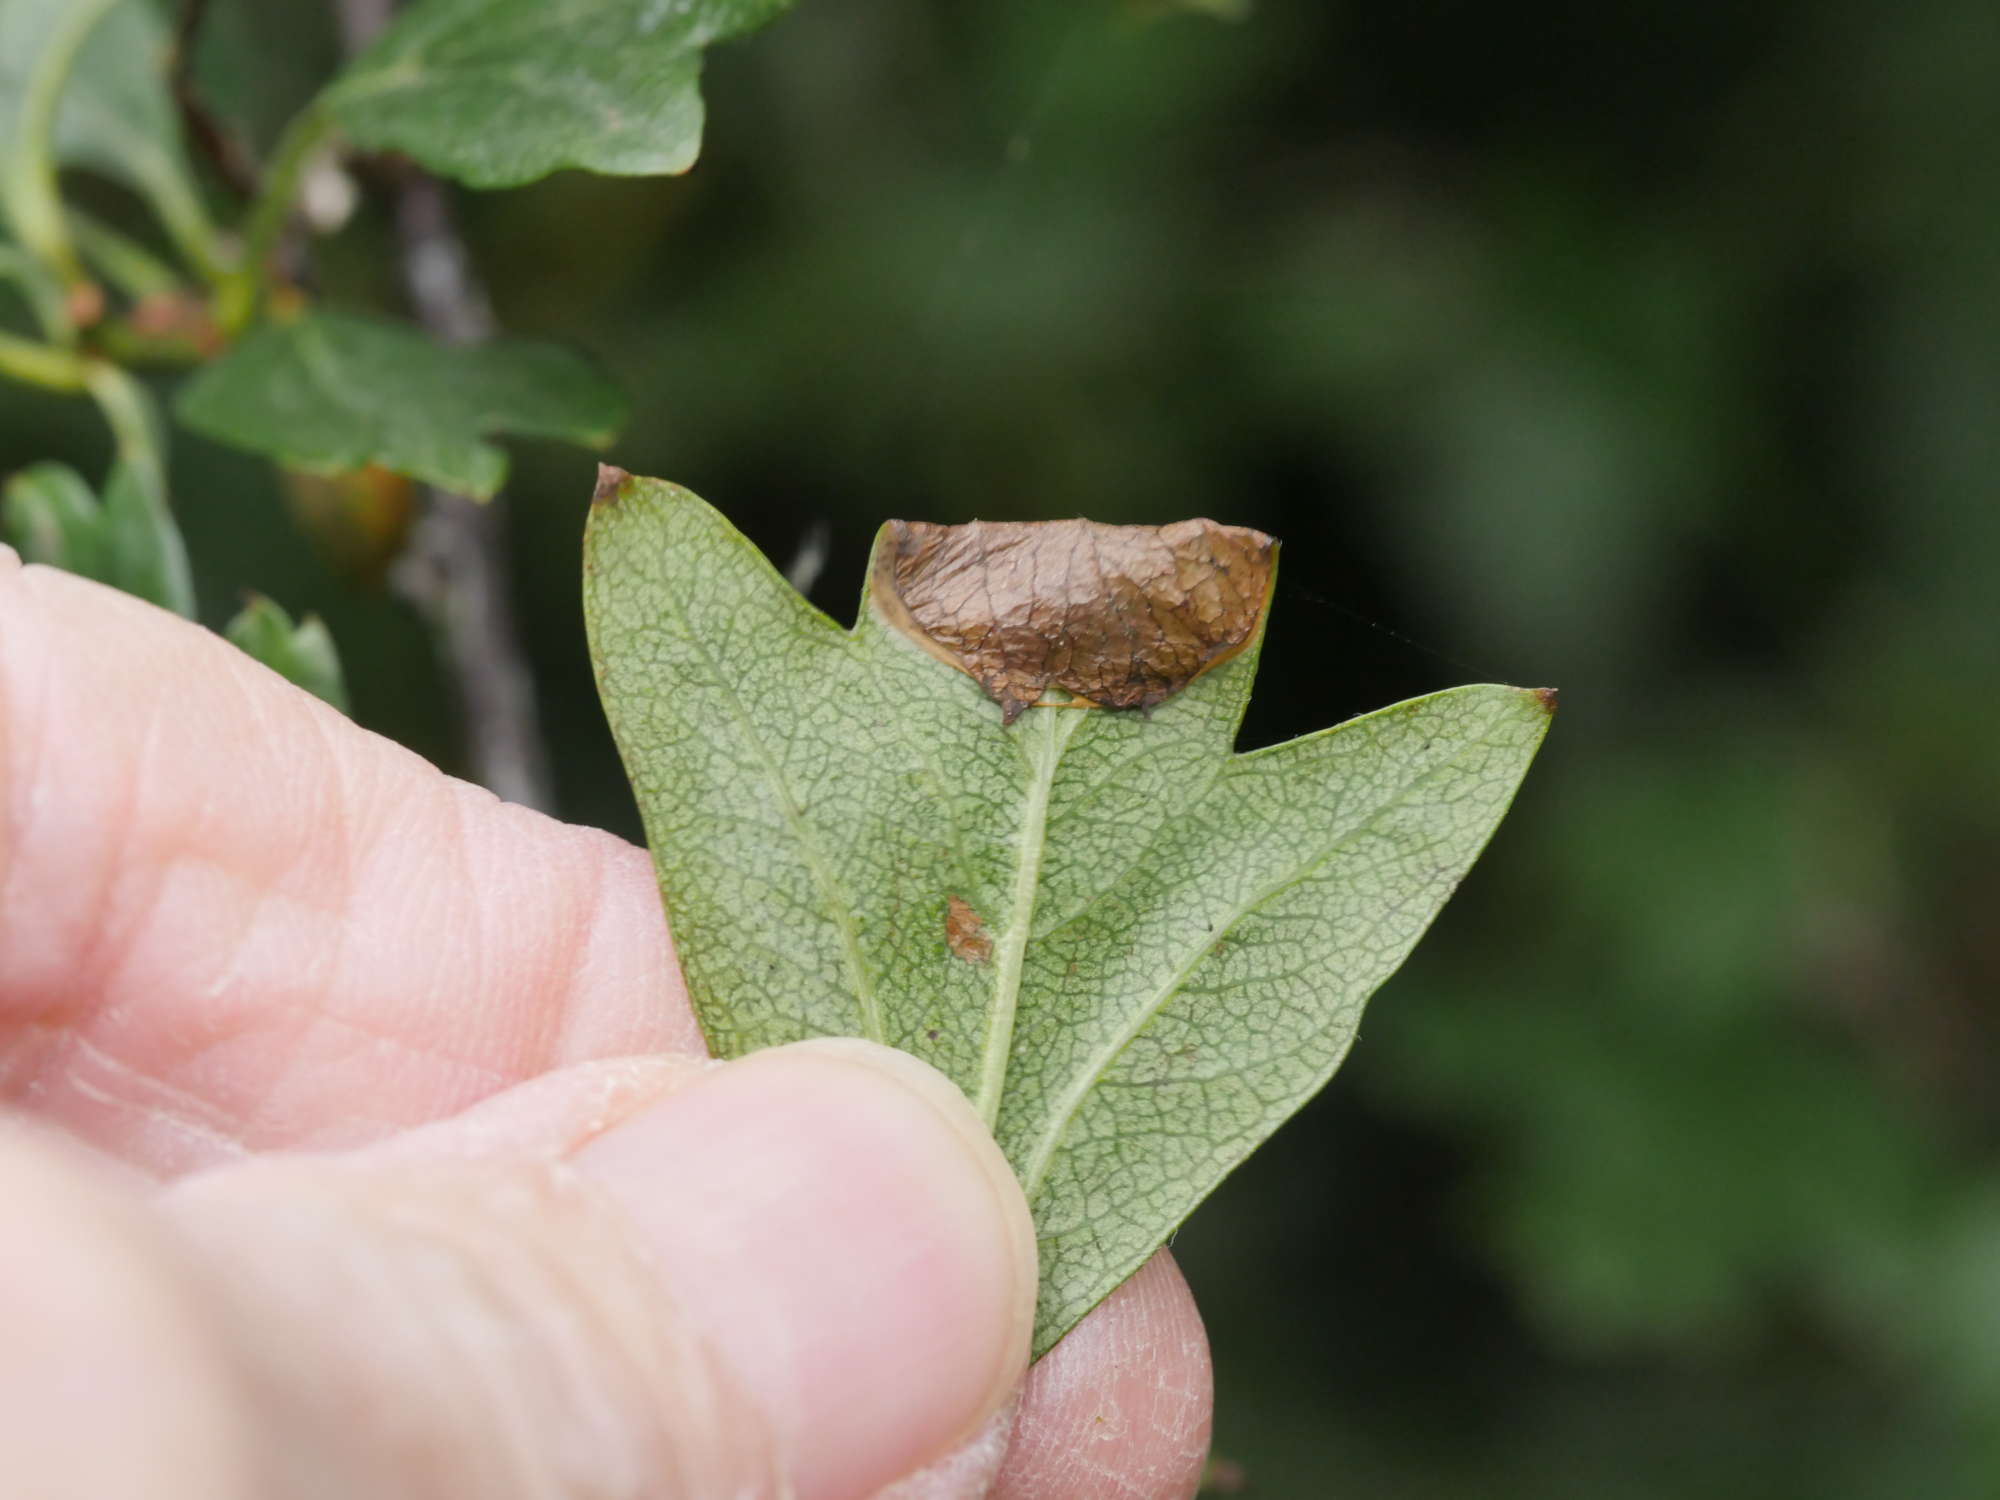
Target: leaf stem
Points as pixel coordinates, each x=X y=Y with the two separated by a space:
x=242 y=289
x=1044 y=740
x=122 y=260
x=182 y=214
x=44 y=365
x=28 y=190
x=135 y=429
x=42 y=291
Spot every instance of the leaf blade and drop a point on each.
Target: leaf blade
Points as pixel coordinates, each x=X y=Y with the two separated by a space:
x=1093 y=922
x=331 y=393
x=1149 y=1055
x=496 y=93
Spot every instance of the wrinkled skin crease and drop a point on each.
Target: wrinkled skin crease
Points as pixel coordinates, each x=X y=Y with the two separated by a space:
x=233 y=923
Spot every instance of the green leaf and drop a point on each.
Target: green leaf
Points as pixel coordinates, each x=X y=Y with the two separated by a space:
x=51 y=516
x=501 y=92
x=303 y=654
x=113 y=114
x=147 y=555
x=1181 y=938
x=331 y=393
x=128 y=540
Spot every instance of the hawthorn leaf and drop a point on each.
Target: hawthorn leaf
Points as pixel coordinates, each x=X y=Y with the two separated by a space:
x=1136 y=951
x=331 y=393
x=500 y=92
x=302 y=654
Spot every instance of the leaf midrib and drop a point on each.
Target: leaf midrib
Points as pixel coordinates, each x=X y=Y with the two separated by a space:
x=1010 y=959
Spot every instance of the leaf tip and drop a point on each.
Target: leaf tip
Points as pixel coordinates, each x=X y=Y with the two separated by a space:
x=1547 y=698
x=610 y=479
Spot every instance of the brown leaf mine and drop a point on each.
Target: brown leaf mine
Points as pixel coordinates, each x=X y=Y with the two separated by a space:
x=1120 y=616
x=964 y=933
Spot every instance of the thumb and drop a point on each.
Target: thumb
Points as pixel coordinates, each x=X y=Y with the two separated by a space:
x=804 y=1273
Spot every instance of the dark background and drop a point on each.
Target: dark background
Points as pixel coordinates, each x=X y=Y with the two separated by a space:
x=1646 y=350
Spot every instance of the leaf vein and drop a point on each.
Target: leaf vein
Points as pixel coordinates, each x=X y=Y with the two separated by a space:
x=1036 y=1167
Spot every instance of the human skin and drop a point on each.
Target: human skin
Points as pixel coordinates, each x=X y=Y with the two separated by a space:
x=357 y=1138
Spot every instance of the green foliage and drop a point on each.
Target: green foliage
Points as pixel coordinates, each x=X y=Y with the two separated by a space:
x=494 y=92
x=1177 y=941
x=112 y=112
x=49 y=515
x=331 y=392
x=500 y=92
x=303 y=654
x=1649 y=350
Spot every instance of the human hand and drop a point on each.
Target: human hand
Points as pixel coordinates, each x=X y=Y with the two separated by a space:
x=376 y=1154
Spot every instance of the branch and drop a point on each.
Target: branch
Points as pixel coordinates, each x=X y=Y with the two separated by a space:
x=454 y=569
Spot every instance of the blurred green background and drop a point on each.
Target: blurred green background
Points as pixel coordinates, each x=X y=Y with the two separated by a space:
x=1647 y=350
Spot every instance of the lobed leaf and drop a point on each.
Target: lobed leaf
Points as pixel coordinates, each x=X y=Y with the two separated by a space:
x=330 y=393
x=1136 y=951
x=500 y=92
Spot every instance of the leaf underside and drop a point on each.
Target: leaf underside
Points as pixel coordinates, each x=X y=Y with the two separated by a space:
x=331 y=392
x=500 y=92
x=1136 y=951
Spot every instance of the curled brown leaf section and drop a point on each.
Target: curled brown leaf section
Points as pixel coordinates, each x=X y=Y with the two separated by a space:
x=1120 y=616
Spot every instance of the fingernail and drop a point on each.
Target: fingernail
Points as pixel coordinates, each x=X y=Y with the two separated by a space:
x=836 y=1221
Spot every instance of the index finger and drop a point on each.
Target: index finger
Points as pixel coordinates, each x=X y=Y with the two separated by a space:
x=230 y=919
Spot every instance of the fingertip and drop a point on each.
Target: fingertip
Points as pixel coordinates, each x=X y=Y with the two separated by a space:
x=1124 y=1404
x=264 y=926
x=838 y=1224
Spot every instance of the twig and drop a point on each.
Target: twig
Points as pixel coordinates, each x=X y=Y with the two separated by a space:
x=454 y=569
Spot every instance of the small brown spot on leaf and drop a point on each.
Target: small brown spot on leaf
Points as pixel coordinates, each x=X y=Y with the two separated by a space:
x=609 y=478
x=965 y=934
x=1121 y=616
x=1548 y=697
